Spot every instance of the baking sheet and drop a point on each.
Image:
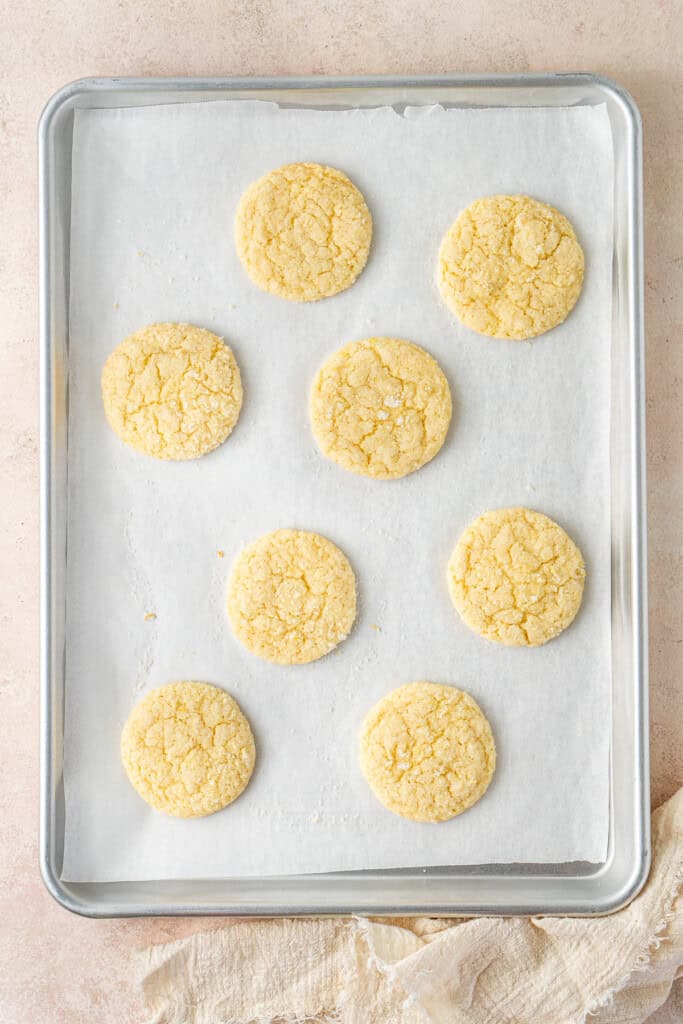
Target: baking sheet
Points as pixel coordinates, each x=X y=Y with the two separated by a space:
x=154 y=192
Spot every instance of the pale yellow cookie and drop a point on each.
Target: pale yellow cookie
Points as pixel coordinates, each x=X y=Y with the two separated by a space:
x=291 y=597
x=188 y=749
x=427 y=751
x=516 y=577
x=303 y=232
x=510 y=267
x=380 y=407
x=172 y=391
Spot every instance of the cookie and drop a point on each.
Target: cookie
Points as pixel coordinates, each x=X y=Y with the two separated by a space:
x=303 y=232
x=291 y=597
x=516 y=578
x=510 y=267
x=427 y=751
x=172 y=391
x=380 y=407
x=187 y=749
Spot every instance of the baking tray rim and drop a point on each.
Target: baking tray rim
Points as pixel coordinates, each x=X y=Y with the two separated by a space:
x=620 y=890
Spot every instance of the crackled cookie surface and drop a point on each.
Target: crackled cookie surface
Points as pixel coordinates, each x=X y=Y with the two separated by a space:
x=516 y=577
x=187 y=749
x=510 y=267
x=172 y=391
x=380 y=407
x=291 y=597
x=303 y=232
x=427 y=751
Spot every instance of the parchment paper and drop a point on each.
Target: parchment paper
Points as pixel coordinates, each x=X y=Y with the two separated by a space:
x=154 y=195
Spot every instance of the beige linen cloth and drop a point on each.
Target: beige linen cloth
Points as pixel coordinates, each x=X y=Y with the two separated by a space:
x=620 y=969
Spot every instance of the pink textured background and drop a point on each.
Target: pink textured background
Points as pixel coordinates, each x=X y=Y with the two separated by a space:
x=58 y=968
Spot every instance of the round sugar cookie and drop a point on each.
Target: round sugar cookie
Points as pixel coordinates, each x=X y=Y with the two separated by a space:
x=187 y=749
x=303 y=232
x=380 y=407
x=427 y=751
x=516 y=577
x=291 y=597
x=510 y=267
x=172 y=391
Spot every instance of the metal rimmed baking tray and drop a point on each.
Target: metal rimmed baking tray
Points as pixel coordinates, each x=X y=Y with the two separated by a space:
x=576 y=888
